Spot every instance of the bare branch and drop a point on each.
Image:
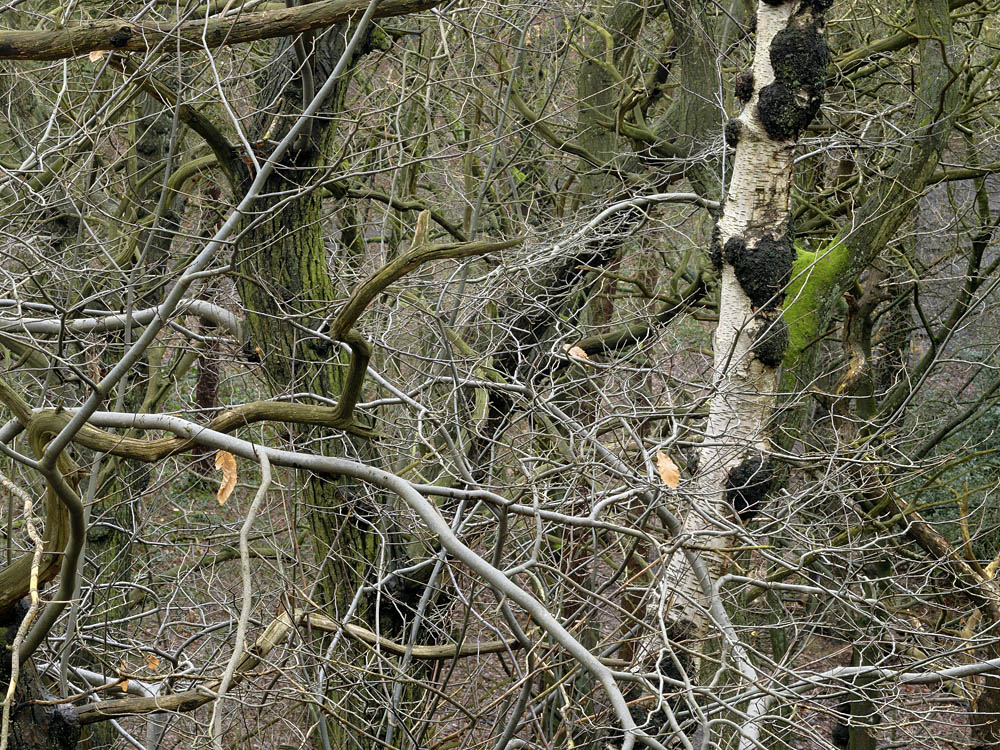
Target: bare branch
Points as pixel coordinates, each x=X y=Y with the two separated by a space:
x=74 y=41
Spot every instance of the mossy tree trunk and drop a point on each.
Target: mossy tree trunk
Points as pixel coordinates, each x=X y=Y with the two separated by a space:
x=821 y=275
x=285 y=284
x=820 y=278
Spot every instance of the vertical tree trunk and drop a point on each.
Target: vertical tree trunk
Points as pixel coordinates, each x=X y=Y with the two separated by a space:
x=206 y=389
x=985 y=716
x=122 y=482
x=752 y=245
x=36 y=722
x=285 y=281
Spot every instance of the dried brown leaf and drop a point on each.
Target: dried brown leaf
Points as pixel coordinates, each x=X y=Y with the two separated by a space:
x=96 y=54
x=152 y=662
x=669 y=472
x=224 y=460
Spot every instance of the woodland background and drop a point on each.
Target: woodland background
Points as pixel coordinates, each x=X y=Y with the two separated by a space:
x=370 y=376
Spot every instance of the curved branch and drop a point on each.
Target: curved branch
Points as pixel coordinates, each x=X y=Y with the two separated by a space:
x=215 y=723
x=424 y=509
x=396 y=269
x=408 y=203
x=361 y=354
x=58 y=486
x=443 y=652
x=342 y=326
x=851 y=61
x=226 y=154
x=63 y=540
x=425 y=653
x=257 y=411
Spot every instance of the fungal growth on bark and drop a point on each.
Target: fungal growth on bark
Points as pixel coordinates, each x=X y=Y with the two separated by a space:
x=743 y=86
x=715 y=248
x=780 y=98
x=735 y=248
x=732 y=131
x=763 y=270
x=799 y=58
x=771 y=338
x=780 y=113
x=748 y=484
x=121 y=37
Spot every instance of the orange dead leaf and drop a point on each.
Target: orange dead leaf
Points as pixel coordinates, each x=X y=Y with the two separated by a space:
x=123 y=686
x=577 y=352
x=152 y=662
x=96 y=54
x=669 y=472
x=224 y=460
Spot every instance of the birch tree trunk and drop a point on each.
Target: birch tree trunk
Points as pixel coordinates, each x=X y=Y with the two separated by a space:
x=752 y=246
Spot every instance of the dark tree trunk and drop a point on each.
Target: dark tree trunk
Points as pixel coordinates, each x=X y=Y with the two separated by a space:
x=285 y=285
x=33 y=725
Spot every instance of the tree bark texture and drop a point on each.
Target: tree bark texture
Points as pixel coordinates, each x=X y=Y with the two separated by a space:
x=752 y=246
x=285 y=276
x=33 y=725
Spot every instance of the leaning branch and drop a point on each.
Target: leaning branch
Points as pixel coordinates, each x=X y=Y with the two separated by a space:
x=409 y=203
x=191 y=35
x=226 y=155
x=909 y=35
x=274 y=635
x=118 y=321
x=409 y=261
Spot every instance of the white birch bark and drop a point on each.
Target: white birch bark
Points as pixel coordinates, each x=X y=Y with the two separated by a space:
x=743 y=399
